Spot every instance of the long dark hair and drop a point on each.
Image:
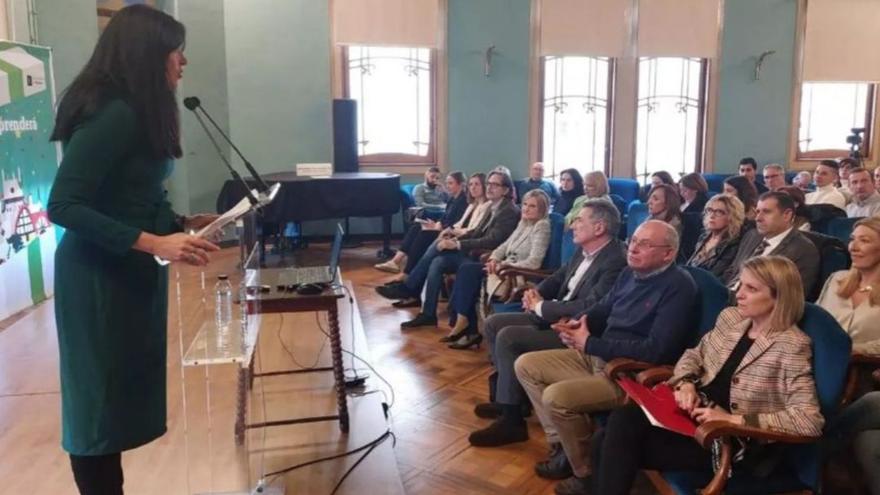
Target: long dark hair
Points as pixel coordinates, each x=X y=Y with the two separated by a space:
x=578 y=189
x=745 y=191
x=129 y=62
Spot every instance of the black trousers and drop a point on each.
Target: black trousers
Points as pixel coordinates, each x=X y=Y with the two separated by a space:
x=629 y=442
x=97 y=475
x=416 y=245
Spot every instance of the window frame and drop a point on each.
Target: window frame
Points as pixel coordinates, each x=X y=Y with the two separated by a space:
x=797 y=161
x=830 y=154
x=609 y=120
x=400 y=159
x=704 y=106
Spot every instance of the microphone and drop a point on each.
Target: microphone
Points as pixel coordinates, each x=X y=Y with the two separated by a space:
x=247 y=187
x=193 y=103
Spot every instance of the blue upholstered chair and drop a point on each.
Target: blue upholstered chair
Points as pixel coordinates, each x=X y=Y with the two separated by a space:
x=628 y=189
x=637 y=214
x=716 y=181
x=834 y=257
x=406 y=196
x=800 y=468
x=841 y=228
x=714 y=297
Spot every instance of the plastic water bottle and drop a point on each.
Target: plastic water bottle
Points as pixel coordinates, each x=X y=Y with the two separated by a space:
x=223 y=302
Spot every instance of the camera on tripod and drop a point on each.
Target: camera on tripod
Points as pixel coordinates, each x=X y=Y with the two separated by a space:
x=855 y=143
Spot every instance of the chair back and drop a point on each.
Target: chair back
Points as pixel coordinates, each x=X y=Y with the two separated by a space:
x=628 y=189
x=834 y=257
x=831 y=352
x=553 y=258
x=637 y=214
x=716 y=181
x=568 y=247
x=714 y=297
x=821 y=214
x=841 y=228
x=691 y=229
x=619 y=203
x=406 y=196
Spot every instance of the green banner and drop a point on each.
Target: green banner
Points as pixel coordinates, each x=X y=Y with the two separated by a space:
x=28 y=163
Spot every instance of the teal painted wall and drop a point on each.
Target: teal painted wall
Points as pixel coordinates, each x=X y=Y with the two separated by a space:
x=488 y=117
x=754 y=116
x=199 y=175
x=278 y=62
x=70 y=28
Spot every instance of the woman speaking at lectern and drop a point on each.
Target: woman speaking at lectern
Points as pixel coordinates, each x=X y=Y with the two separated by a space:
x=118 y=122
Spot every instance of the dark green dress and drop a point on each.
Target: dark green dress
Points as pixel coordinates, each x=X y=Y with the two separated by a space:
x=110 y=300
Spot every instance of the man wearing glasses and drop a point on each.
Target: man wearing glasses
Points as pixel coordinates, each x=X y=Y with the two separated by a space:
x=448 y=252
x=647 y=316
x=774 y=176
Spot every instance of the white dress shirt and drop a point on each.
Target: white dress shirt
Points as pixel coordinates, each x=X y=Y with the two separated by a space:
x=576 y=278
x=827 y=195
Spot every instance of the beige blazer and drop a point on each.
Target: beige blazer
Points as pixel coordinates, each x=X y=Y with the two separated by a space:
x=861 y=323
x=773 y=386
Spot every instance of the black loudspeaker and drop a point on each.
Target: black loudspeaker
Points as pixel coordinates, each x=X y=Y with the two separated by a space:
x=345 y=154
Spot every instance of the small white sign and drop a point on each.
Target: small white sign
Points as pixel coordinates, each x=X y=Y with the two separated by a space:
x=314 y=169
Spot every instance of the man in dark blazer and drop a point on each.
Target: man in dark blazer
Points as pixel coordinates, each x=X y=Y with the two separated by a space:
x=448 y=252
x=775 y=234
x=576 y=286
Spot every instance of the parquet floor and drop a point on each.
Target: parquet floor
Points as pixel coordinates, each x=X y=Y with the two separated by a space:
x=435 y=389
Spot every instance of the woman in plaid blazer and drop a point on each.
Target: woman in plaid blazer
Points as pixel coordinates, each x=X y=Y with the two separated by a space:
x=754 y=368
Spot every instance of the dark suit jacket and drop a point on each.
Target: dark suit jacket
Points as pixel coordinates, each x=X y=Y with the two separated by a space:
x=595 y=283
x=698 y=204
x=721 y=257
x=795 y=247
x=455 y=209
x=493 y=229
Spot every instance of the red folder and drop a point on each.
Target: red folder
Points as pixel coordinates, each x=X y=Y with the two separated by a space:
x=659 y=405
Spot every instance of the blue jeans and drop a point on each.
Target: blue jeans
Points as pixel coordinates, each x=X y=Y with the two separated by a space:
x=428 y=274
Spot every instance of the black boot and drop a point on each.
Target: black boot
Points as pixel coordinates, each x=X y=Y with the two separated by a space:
x=421 y=320
x=556 y=467
x=488 y=410
x=509 y=428
x=493 y=386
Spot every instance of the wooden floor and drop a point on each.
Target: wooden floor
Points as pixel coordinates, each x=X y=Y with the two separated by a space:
x=434 y=391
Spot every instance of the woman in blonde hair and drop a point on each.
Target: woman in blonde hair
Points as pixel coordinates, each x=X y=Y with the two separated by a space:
x=853 y=296
x=595 y=187
x=720 y=380
x=723 y=218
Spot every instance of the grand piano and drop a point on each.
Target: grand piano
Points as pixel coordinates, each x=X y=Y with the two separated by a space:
x=340 y=195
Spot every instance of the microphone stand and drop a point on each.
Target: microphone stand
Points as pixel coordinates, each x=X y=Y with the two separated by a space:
x=247 y=188
x=261 y=185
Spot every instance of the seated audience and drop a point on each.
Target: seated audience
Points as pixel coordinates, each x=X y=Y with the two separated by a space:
x=595 y=187
x=775 y=235
x=802 y=181
x=826 y=177
x=536 y=181
x=420 y=235
x=859 y=424
x=525 y=248
x=449 y=251
x=740 y=187
x=877 y=178
x=774 y=176
x=581 y=283
x=506 y=171
x=664 y=204
x=571 y=187
x=723 y=219
x=694 y=192
x=646 y=316
x=725 y=379
x=430 y=194
x=801 y=214
x=865 y=198
x=657 y=178
x=748 y=168
x=853 y=296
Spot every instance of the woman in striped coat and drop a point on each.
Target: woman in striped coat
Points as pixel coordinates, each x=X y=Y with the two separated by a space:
x=754 y=368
